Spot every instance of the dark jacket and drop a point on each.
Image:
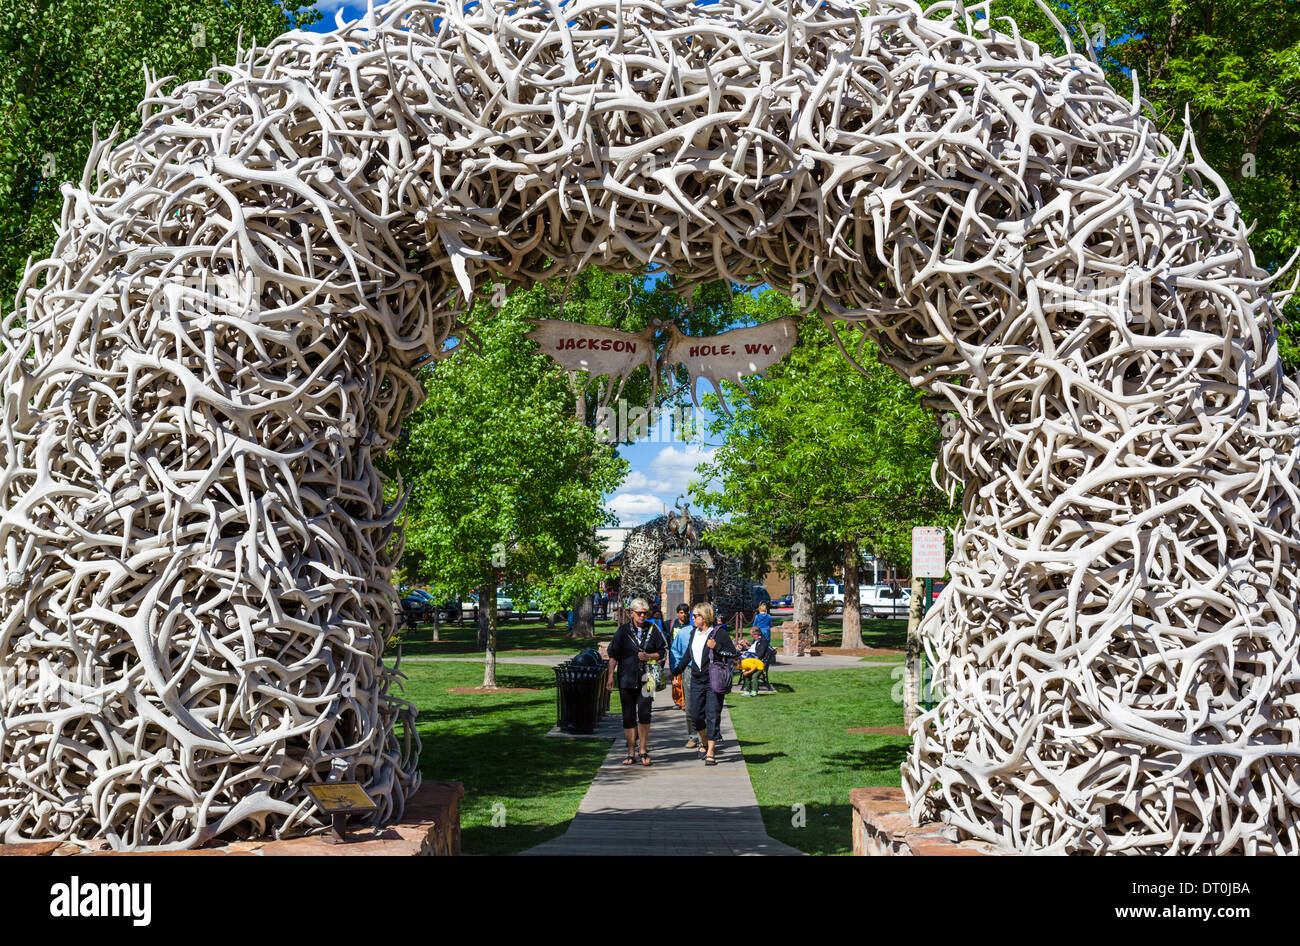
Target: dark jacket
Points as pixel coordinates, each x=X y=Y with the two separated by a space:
x=762 y=650
x=622 y=651
x=724 y=649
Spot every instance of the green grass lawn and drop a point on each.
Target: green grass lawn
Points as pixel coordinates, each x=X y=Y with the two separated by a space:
x=495 y=745
x=797 y=750
x=515 y=639
x=876 y=632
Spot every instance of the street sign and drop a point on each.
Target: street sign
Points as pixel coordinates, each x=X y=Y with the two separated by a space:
x=928 y=552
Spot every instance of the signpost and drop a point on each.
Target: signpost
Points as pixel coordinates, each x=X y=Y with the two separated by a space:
x=929 y=561
x=338 y=800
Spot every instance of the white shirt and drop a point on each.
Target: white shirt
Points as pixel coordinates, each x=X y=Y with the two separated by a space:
x=697 y=647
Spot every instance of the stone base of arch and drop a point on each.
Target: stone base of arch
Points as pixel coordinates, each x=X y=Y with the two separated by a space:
x=882 y=827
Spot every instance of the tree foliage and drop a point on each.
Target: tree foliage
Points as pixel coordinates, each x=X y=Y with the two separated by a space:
x=824 y=459
x=69 y=66
x=1232 y=69
x=499 y=468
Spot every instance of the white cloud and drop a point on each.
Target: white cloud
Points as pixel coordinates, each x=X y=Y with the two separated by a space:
x=634 y=508
x=639 y=481
x=642 y=496
x=678 y=465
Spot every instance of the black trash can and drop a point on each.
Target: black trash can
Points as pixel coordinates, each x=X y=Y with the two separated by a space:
x=561 y=694
x=577 y=697
x=591 y=658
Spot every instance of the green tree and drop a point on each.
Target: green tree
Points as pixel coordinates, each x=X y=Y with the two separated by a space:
x=506 y=485
x=826 y=461
x=630 y=302
x=1234 y=67
x=67 y=66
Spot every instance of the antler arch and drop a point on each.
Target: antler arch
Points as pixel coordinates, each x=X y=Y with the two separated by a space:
x=198 y=546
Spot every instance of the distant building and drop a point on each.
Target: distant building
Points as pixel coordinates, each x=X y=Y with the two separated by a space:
x=612 y=541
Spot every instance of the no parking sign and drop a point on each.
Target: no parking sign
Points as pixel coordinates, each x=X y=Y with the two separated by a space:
x=928 y=558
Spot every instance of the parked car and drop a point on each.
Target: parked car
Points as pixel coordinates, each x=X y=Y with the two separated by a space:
x=786 y=602
x=469 y=609
x=420 y=607
x=417 y=606
x=831 y=594
x=532 y=612
x=885 y=601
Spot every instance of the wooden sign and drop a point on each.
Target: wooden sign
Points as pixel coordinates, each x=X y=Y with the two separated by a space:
x=731 y=356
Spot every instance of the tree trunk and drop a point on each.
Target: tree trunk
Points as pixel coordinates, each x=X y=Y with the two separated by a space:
x=487 y=592
x=803 y=596
x=583 y=624
x=851 y=635
x=816 y=622
x=436 y=612
x=912 y=671
x=490 y=655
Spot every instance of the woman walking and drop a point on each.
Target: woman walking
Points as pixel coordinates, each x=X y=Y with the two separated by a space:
x=708 y=644
x=634 y=643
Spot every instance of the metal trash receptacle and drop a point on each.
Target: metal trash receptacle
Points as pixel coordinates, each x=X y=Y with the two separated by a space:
x=577 y=697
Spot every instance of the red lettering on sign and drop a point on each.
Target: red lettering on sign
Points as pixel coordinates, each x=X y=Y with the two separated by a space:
x=596 y=344
x=704 y=351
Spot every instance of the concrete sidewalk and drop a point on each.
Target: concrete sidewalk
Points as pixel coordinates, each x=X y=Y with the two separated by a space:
x=677 y=805
x=825 y=662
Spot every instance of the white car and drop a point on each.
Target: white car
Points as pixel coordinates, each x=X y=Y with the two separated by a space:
x=875 y=601
x=469 y=609
x=884 y=601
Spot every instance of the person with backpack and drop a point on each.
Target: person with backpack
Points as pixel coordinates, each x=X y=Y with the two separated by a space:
x=634 y=643
x=707 y=657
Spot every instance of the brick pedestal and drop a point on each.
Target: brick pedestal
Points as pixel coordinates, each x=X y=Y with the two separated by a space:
x=430 y=826
x=796 y=638
x=883 y=828
x=693 y=587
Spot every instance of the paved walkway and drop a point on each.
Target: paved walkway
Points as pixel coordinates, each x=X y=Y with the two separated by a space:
x=678 y=805
x=825 y=662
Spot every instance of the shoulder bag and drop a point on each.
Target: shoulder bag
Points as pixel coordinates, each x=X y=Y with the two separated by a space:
x=719 y=671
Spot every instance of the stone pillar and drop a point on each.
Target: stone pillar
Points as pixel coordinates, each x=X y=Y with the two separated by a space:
x=682 y=579
x=796 y=638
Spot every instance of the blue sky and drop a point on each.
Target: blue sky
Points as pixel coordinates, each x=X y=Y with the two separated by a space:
x=661 y=470
x=351 y=11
